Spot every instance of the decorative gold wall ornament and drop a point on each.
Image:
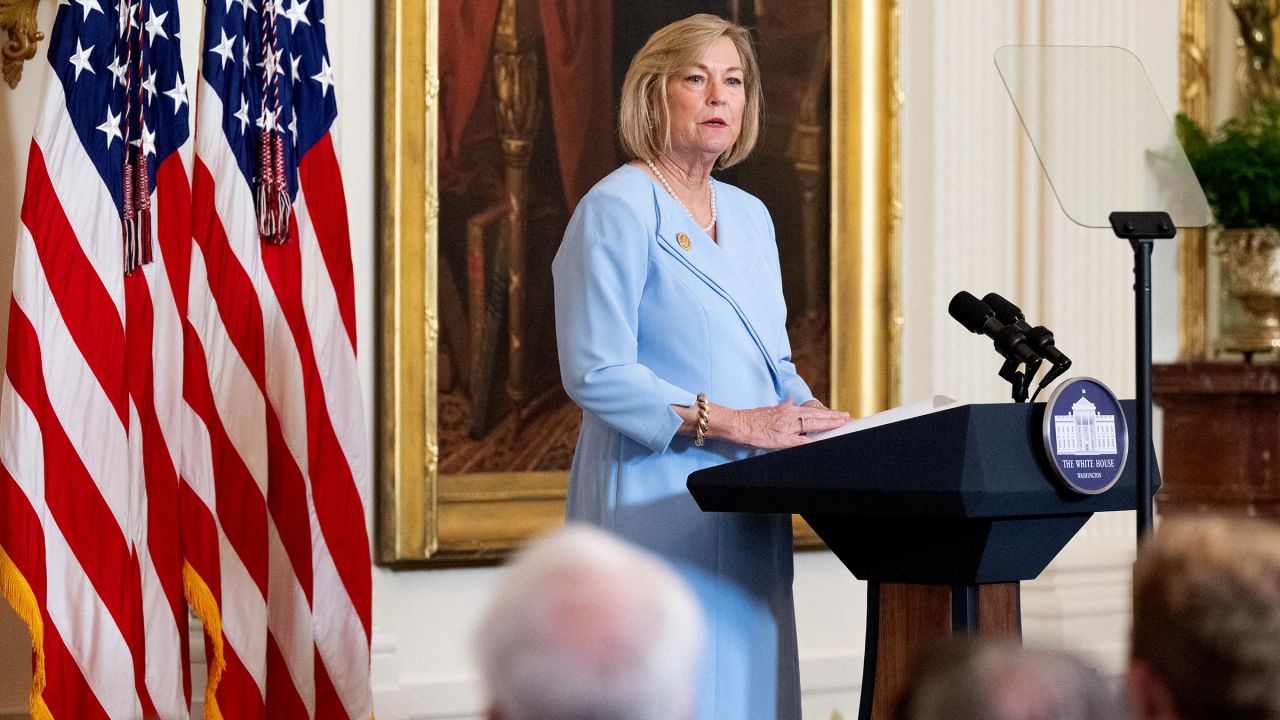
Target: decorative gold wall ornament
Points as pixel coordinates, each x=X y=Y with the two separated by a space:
x=18 y=17
x=428 y=518
x=1251 y=275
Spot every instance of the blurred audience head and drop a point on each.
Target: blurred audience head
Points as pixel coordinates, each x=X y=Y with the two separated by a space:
x=586 y=627
x=974 y=679
x=1206 y=620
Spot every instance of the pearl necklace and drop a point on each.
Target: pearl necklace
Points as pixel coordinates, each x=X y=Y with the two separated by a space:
x=711 y=190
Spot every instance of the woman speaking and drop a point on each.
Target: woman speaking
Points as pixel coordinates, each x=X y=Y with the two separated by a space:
x=672 y=336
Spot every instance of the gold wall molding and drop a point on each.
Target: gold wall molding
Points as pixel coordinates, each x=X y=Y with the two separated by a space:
x=866 y=206
x=1193 y=99
x=425 y=518
x=18 y=18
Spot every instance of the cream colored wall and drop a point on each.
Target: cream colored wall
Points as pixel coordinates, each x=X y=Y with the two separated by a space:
x=977 y=213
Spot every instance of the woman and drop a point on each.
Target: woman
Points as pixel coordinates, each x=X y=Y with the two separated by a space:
x=672 y=337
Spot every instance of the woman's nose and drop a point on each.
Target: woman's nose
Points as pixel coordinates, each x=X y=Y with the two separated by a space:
x=715 y=93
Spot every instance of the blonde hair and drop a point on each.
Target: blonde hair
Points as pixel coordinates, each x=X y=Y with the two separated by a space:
x=1206 y=615
x=644 y=126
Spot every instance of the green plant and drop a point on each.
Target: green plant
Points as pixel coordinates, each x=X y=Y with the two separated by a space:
x=1238 y=166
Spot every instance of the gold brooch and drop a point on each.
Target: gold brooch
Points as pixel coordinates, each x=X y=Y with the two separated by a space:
x=684 y=241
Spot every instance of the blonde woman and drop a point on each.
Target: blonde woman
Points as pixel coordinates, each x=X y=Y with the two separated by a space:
x=671 y=330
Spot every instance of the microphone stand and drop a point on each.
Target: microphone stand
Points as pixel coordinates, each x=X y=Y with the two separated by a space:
x=1030 y=377
x=1010 y=373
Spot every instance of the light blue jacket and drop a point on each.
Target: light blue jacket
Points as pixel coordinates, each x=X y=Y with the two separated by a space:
x=643 y=324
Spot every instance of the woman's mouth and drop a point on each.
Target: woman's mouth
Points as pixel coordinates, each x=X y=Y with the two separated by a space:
x=715 y=123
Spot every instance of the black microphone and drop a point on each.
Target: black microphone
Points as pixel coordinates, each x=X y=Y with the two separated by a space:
x=1039 y=337
x=980 y=319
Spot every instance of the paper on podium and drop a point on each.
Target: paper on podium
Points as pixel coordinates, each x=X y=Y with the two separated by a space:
x=892 y=415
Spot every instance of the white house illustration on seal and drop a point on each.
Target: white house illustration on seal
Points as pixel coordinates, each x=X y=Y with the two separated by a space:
x=1084 y=432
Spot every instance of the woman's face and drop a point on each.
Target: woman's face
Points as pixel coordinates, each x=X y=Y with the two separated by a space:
x=706 y=101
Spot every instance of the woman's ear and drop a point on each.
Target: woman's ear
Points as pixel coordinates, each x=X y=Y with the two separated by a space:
x=1149 y=693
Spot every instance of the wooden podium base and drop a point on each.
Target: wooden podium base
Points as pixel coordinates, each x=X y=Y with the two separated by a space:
x=905 y=619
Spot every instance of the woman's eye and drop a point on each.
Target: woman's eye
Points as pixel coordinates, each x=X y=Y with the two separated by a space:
x=734 y=81
x=694 y=79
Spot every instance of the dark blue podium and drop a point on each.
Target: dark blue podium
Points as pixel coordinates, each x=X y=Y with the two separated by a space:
x=943 y=515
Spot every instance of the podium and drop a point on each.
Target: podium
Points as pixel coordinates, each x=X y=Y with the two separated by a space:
x=942 y=515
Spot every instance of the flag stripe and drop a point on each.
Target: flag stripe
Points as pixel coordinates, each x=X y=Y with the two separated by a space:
x=329 y=475
x=94 y=559
x=283 y=700
x=239 y=696
x=329 y=704
x=332 y=486
x=195 y=493
x=321 y=180
x=291 y=632
x=337 y=623
x=23 y=576
x=163 y=609
x=68 y=694
x=90 y=210
x=335 y=359
x=84 y=404
x=82 y=300
x=289 y=505
x=240 y=506
x=230 y=285
x=21 y=533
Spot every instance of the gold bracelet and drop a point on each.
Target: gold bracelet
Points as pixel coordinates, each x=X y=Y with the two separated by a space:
x=700 y=435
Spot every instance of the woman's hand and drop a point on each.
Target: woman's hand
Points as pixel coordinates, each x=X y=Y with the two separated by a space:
x=782 y=426
x=770 y=428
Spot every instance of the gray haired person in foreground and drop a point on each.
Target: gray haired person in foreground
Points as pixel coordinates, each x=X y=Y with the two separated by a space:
x=586 y=627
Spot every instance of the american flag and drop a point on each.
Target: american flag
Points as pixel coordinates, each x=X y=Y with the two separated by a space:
x=92 y=404
x=184 y=417
x=271 y=372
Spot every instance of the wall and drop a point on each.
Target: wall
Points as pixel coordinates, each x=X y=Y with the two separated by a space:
x=978 y=216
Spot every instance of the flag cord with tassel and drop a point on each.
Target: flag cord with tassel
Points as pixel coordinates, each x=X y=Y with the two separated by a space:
x=137 y=176
x=272 y=197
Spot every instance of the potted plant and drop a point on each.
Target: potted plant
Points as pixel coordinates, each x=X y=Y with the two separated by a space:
x=1239 y=168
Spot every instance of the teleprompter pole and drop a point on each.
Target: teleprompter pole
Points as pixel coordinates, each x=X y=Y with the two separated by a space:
x=1141 y=229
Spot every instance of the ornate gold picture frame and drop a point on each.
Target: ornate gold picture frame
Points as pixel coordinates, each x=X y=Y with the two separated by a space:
x=428 y=518
x=1221 y=45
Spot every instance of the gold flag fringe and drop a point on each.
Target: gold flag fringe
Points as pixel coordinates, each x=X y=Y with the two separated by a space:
x=18 y=592
x=200 y=598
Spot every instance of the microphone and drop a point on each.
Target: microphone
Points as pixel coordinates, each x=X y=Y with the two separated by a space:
x=980 y=319
x=1039 y=337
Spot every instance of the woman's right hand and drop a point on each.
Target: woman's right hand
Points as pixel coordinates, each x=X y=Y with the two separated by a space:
x=781 y=426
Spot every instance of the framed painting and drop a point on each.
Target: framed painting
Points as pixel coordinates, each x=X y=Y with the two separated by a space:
x=497 y=115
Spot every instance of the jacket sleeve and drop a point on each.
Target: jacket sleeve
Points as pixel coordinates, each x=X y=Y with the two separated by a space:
x=599 y=274
x=792 y=386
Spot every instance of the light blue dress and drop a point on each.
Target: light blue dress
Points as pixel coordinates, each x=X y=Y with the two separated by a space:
x=642 y=324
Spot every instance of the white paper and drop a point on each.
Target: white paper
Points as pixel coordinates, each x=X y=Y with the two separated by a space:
x=892 y=415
